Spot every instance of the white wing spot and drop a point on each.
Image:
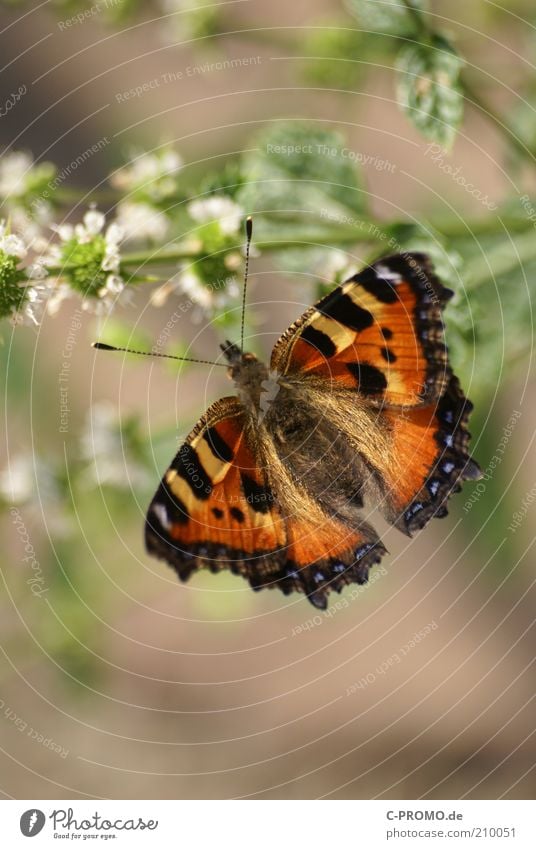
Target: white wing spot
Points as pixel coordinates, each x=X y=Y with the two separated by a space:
x=161 y=514
x=386 y=273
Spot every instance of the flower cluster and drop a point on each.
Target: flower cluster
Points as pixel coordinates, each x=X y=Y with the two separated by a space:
x=87 y=261
x=149 y=177
x=25 y=192
x=22 y=182
x=149 y=185
x=19 y=301
x=209 y=282
x=112 y=452
x=141 y=222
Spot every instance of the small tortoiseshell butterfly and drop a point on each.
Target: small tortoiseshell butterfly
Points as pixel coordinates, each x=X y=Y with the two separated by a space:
x=359 y=408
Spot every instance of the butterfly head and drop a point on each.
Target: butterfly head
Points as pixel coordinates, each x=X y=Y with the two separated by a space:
x=232 y=353
x=247 y=372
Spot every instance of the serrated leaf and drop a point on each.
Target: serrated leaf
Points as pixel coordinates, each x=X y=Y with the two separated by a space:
x=429 y=90
x=303 y=170
x=388 y=16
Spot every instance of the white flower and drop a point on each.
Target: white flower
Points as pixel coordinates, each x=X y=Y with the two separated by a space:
x=59 y=294
x=218 y=208
x=112 y=239
x=109 y=294
x=191 y=285
x=93 y=223
x=21 y=222
x=36 y=271
x=24 y=185
x=113 y=292
x=206 y=298
x=153 y=173
x=186 y=282
x=11 y=244
x=32 y=307
x=14 y=170
x=14 y=245
x=31 y=227
x=31 y=310
x=141 y=221
x=92 y=226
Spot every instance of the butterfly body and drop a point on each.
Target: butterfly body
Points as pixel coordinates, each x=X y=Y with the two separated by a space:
x=248 y=374
x=358 y=410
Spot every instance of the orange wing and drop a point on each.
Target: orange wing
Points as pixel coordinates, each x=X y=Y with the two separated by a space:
x=212 y=507
x=380 y=332
x=431 y=459
x=215 y=509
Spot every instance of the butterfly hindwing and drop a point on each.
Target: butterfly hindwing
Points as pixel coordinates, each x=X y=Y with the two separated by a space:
x=430 y=459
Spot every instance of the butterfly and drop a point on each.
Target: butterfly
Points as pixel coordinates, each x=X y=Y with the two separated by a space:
x=358 y=409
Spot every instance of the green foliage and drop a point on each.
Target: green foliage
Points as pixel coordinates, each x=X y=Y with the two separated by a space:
x=200 y=19
x=12 y=295
x=429 y=89
x=227 y=180
x=298 y=168
x=336 y=53
x=83 y=265
x=392 y=17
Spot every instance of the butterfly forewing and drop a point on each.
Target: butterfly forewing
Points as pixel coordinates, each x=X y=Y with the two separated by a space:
x=380 y=332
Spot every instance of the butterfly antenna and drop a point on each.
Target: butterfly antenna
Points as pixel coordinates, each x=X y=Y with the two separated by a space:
x=103 y=346
x=249 y=233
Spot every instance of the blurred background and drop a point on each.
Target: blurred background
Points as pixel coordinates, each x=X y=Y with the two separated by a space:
x=116 y=681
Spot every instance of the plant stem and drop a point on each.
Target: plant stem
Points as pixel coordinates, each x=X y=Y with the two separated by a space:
x=369 y=231
x=372 y=231
x=418 y=18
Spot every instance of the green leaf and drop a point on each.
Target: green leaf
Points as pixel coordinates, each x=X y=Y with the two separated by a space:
x=497 y=289
x=429 y=90
x=227 y=180
x=387 y=16
x=335 y=55
x=304 y=171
